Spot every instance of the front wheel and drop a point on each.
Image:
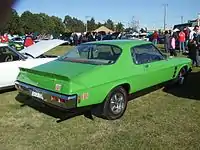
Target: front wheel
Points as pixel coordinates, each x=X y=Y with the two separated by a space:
x=181 y=78
x=115 y=104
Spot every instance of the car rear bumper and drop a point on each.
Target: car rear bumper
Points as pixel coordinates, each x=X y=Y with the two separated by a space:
x=46 y=96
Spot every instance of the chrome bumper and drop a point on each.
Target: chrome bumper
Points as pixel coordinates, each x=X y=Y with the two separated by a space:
x=49 y=97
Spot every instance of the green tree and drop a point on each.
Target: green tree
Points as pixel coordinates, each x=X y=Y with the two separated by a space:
x=59 y=26
x=68 y=21
x=119 y=27
x=74 y=24
x=99 y=24
x=47 y=25
x=13 y=25
x=27 y=19
x=79 y=26
x=91 y=24
x=109 y=24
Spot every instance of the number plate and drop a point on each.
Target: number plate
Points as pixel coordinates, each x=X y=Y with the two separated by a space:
x=37 y=95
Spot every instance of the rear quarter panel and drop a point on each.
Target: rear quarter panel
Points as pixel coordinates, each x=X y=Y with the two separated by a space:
x=180 y=63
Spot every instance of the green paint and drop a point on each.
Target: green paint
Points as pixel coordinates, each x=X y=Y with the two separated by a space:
x=99 y=80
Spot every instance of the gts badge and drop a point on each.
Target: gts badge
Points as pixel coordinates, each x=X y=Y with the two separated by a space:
x=58 y=87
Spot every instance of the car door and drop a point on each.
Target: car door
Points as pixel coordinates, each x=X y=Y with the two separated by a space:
x=139 y=75
x=156 y=66
x=9 y=62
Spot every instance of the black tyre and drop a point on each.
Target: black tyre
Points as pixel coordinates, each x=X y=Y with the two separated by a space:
x=182 y=76
x=115 y=104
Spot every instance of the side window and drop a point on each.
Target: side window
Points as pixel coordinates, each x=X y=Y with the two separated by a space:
x=7 y=55
x=145 y=54
x=103 y=52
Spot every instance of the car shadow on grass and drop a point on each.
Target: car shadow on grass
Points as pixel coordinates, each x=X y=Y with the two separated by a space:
x=59 y=114
x=189 y=90
x=144 y=92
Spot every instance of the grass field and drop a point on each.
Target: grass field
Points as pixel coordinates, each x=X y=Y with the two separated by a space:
x=162 y=119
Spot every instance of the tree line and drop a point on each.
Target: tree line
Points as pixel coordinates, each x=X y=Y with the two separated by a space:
x=42 y=23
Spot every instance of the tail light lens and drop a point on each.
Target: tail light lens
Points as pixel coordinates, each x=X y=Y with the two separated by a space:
x=57 y=99
x=62 y=100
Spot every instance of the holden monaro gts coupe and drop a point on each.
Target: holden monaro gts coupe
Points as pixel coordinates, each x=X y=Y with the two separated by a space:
x=103 y=73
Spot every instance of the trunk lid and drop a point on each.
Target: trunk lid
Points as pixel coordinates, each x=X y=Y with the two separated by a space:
x=53 y=76
x=42 y=47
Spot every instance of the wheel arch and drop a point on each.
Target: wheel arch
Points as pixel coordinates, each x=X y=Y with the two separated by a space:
x=186 y=67
x=125 y=85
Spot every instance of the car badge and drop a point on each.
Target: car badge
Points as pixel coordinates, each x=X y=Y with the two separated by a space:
x=58 y=87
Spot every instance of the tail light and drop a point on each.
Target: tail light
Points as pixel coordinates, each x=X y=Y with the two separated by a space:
x=57 y=99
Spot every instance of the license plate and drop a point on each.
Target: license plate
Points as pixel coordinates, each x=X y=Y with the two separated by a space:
x=37 y=95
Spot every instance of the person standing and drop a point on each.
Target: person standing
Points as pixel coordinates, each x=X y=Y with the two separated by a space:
x=182 y=41
x=186 y=31
x=28 y=41
x=193 y=46
x=193 y=33
x=193 y=52
x=75 y=39
x=155 y=38
x=173 y=46
x=167 y=41
x=81 y=38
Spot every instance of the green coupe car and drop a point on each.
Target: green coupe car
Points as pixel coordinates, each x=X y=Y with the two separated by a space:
x=101 y=74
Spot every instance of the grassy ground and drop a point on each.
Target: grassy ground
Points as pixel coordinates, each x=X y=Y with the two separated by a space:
x=162 y=119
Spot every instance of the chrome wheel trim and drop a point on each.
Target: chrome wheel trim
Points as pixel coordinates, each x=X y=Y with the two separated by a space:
x=117 y=103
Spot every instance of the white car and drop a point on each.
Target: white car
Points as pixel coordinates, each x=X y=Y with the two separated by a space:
x=11 y=60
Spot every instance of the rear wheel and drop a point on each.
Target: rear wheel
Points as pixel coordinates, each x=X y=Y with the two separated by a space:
x=115 y=104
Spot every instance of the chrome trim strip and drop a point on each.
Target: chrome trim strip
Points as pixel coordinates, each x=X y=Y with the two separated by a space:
x=70 y=100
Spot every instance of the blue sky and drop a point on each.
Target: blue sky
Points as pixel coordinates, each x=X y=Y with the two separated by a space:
x=148 y=12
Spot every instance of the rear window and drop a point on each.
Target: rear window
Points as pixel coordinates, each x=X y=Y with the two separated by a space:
x=93 y=54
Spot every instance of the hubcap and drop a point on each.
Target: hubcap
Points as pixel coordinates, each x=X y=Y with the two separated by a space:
x=117 y=103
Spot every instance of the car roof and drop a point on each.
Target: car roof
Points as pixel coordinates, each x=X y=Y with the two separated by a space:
x=121 y=43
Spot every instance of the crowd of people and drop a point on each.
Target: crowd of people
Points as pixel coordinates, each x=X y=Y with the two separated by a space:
x=185 y=40
x=28 y=39
x=86 y=37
